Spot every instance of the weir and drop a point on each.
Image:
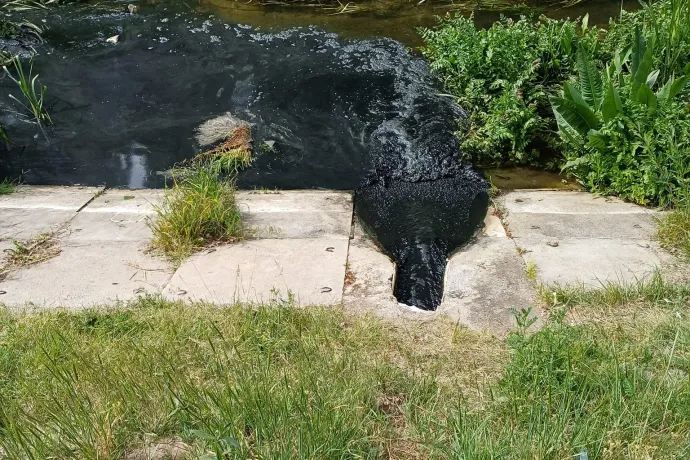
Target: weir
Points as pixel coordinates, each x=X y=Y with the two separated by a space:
x=128 y=93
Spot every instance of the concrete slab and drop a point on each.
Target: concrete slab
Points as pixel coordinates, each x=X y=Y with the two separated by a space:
x=87 y=275
x=297 y=213
x=48 y=197
x=483 y=282
x=19 y=224
x=566 y=202
x=591 y=261
x=578 y=238
x=559 y=226
x=116 y=215
x=369 y=278
x=32 y=210
x=312 y=270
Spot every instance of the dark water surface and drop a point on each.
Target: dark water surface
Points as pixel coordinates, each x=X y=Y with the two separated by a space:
x=340 y=114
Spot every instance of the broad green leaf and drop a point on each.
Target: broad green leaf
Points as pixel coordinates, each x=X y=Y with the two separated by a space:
x=570 y=92
x=673 y=87
x=639 y=46
x=612 y=105
x=597 y=140
x=585 y=22
x=573 y=116
x=643 y=70
x=619 y=59
x=590 y=79
x=651 y=79
x=646 y=97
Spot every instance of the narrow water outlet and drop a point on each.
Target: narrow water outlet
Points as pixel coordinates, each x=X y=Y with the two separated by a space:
x=419 y=224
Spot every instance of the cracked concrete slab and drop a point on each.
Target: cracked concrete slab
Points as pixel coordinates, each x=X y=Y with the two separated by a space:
x=579 y=238
x=32 y=210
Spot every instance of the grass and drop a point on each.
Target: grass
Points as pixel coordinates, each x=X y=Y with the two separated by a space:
x=674 y=231
x=6 y=186
x=198 y=210
x=531 y=269
x=280 y=382
x=27 y=84
x=654 y=290
x=30 y=252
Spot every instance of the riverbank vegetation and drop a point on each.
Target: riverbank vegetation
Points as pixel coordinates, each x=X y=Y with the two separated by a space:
x=610 y=107
x=277 y=382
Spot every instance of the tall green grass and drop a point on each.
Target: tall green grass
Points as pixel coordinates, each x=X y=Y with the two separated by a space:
x=281 y=382
x=198 y=210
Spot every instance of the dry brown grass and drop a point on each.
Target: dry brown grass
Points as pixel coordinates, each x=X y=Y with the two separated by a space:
x=33 y=251
x=232 y=154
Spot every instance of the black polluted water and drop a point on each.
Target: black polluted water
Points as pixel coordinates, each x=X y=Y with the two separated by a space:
x=128 y=92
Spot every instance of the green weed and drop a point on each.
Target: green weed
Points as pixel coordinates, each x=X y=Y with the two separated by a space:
x=27 y=84
x=624 y=132
x=198 y=210
x=502 y=76
x=7 y=187
x=674 y=231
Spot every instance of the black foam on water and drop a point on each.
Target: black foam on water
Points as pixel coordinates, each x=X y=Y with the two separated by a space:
x=341 y=114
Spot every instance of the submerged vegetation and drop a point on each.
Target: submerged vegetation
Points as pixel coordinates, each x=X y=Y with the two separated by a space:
x=609 y=107
x=281 y=382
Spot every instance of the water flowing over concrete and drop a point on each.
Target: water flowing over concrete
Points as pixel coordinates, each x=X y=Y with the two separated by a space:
x=129 y=93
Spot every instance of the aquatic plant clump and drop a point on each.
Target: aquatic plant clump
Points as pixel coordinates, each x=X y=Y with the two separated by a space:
x=231 y=155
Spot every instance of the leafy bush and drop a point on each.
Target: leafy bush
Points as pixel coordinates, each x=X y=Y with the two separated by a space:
x=624 y=132
x=666 y=23
x=502 y=76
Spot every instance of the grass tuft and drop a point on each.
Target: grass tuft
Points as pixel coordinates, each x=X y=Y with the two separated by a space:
x=198 y=210
x=6 y=186
x=674 y=231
